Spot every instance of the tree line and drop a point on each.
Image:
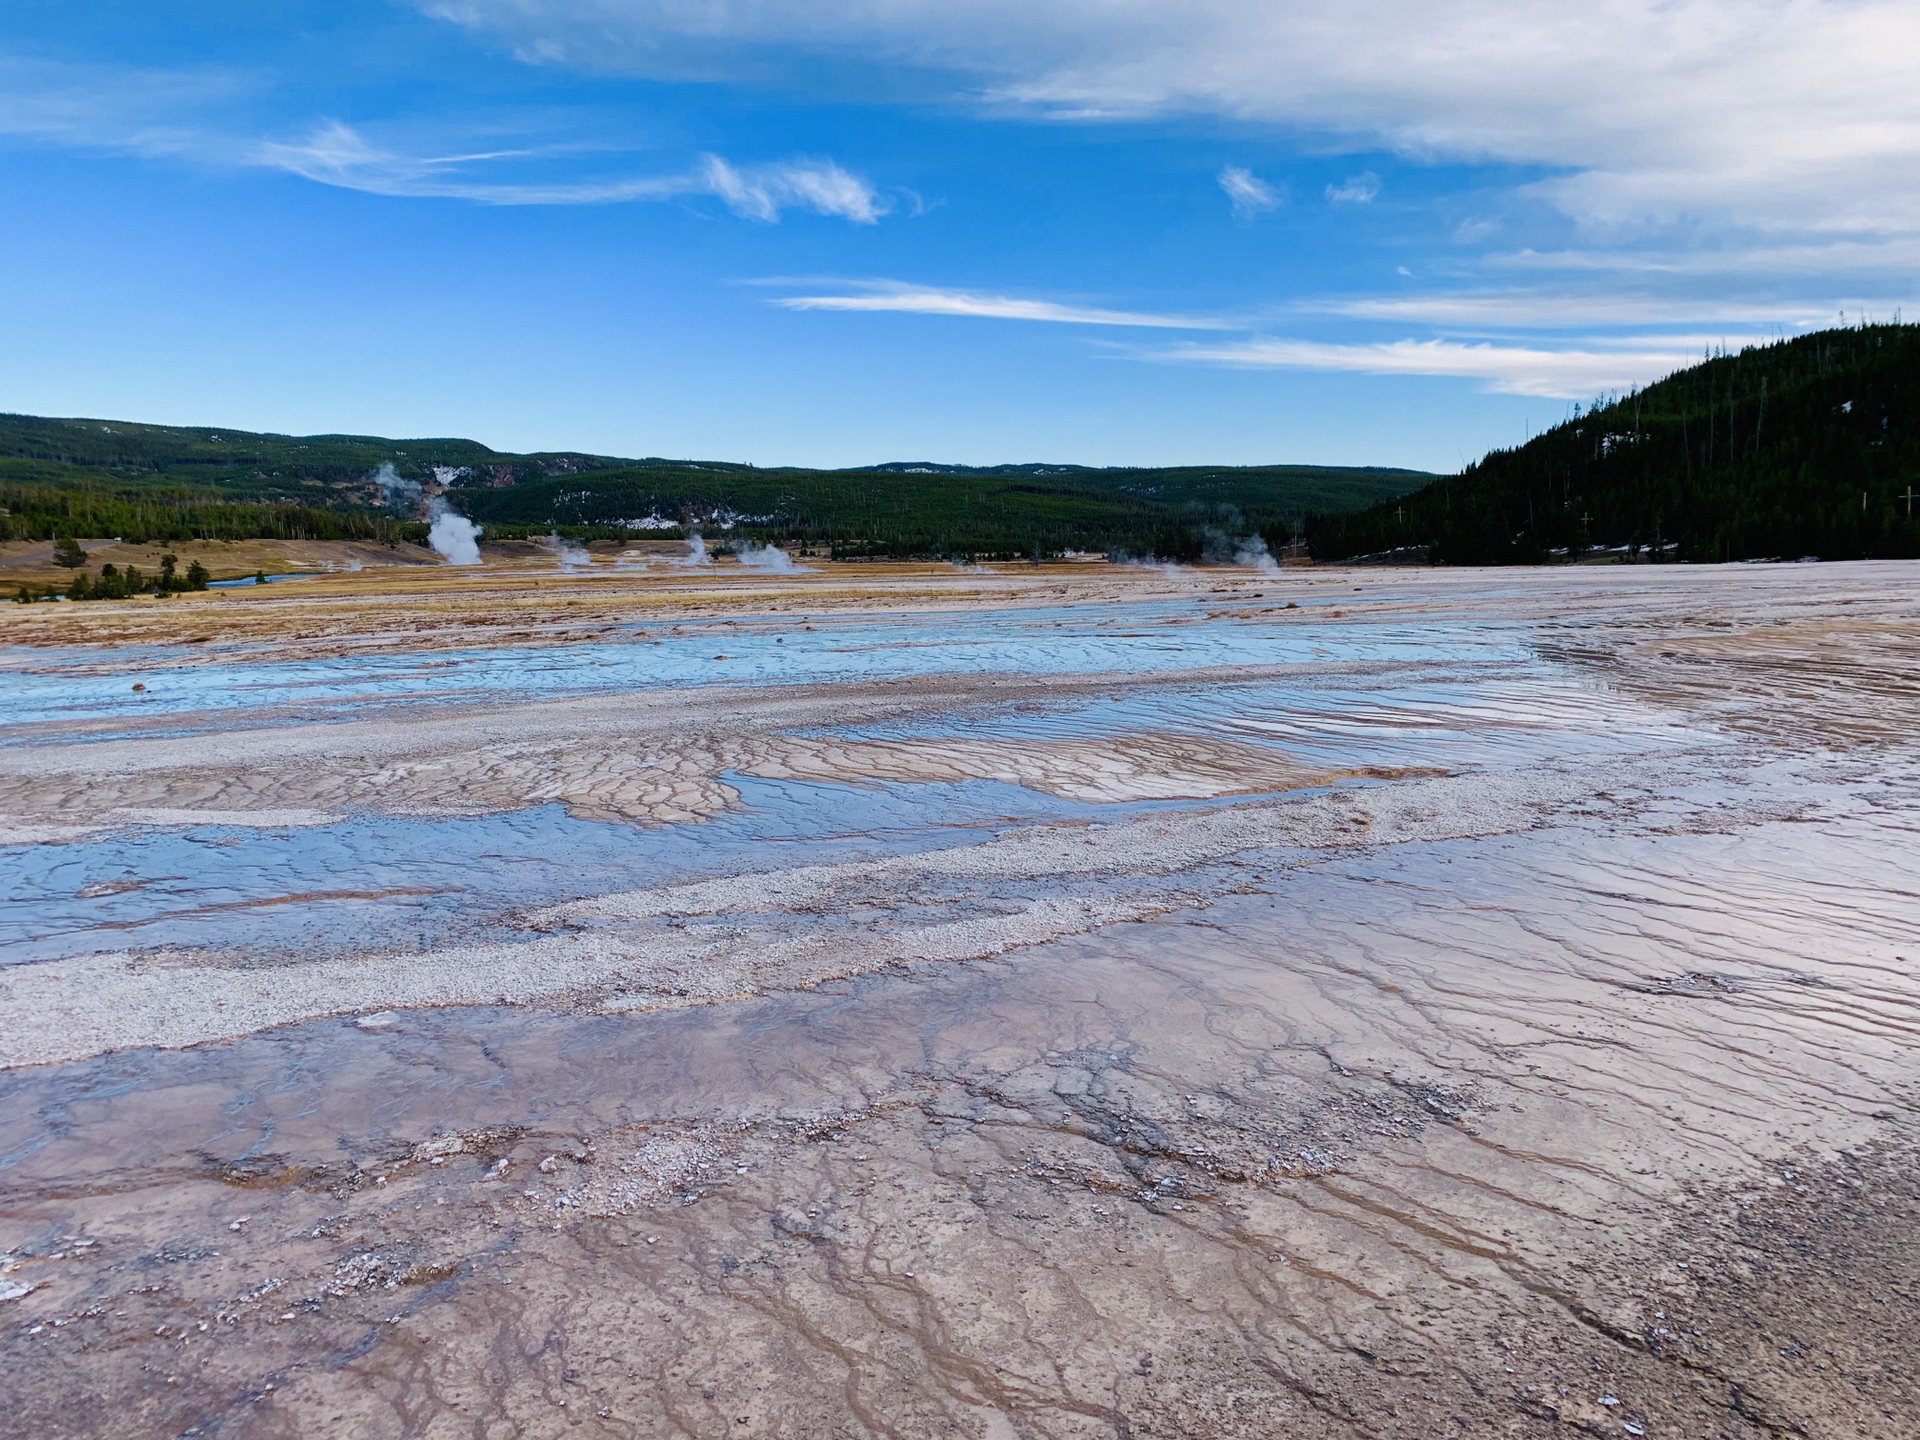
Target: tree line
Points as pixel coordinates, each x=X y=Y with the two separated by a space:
x=1802 y=447
x=113 y=583
x=149 y=516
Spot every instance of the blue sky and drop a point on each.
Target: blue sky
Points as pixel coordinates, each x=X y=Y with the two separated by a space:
x=844 y=231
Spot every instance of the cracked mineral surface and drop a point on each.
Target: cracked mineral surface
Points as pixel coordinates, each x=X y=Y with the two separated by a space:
x=894 y=1001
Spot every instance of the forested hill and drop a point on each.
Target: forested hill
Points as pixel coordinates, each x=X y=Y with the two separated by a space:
x=89 y=478
x=168 y=483
x=1176 y=513
x=1808 y=446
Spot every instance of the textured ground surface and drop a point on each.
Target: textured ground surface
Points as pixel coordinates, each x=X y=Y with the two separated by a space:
x=1332 y=1004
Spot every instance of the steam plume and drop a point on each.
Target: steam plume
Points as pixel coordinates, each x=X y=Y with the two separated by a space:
x=1223 y=547
x=770 y=558
x=453 y=535
x=396 y=492
x=696 y=553
x=1253 y=551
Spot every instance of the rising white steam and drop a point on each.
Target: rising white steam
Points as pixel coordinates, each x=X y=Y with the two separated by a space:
x=1253 y=552
x=396 y=492
x=570 y=556
x=696 y=553
x=770 y=558
x=453 y=535
x=1223 y=547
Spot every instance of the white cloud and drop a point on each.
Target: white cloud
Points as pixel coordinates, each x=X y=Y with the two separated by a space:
x=1589 y=357
x=337 y=154
x=1248 y=192
x=1360 y=189
x=1792 y=115
x=115 y=107
x=892 y=296
x=1475 y=312
x=1566 y=309
x=1509 y=369
x=817 y=185
x=1575 y=369
x=1821 y=261
x=162 y=113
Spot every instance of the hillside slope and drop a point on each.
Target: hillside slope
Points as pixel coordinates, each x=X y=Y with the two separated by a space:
x=166 y=483
x=1803 y=447
x=1172 y=513
x=173 y=483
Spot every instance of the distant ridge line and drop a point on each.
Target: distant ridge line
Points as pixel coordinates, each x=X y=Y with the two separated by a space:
x=1040 y=468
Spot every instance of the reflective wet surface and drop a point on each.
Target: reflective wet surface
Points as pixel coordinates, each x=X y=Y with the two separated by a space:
x=1545 y=1068
x=94 y=685
x=433 y=880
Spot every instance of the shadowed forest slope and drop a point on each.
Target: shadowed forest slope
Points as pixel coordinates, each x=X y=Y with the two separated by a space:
x=1809 y=446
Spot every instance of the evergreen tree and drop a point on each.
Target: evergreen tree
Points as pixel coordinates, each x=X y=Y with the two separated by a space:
x=68 y=553
x=197 y=575
x=1808 y=446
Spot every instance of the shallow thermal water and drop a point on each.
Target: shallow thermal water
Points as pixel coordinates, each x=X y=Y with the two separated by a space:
x=395 y=880
x=1540 y=1063
x=1447 y=714
x=427 y=881
x=81 y=685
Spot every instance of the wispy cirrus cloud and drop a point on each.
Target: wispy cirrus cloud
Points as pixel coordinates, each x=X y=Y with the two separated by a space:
x=761 y=192
x=1361 y=189
x=1535 y=310
x=1569 y=373
x=130 y=109
x=175 y=115
x=1721 y=111
x=1248 y=192
x=337 y=154
x=900 y=297
x=1571 y=367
